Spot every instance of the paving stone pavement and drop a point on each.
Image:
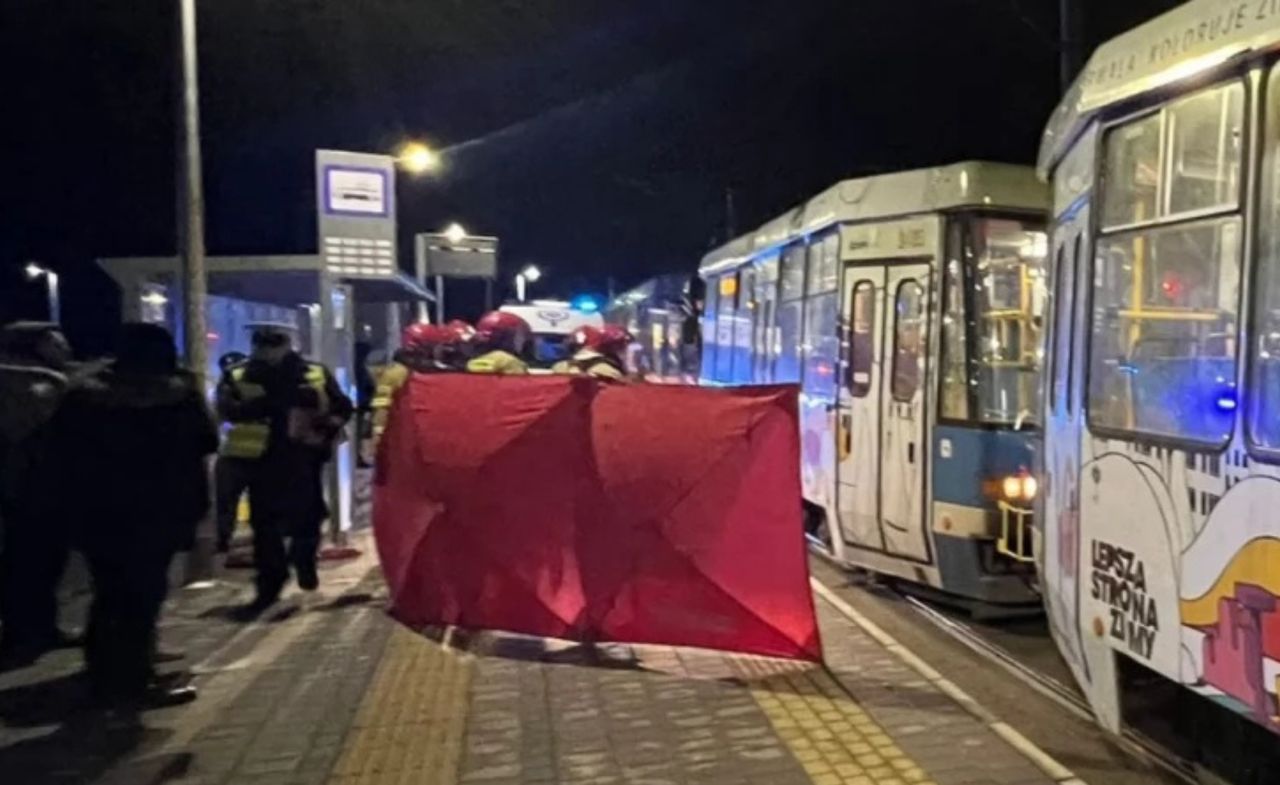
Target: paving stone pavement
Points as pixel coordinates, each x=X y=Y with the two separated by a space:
x=337 y=693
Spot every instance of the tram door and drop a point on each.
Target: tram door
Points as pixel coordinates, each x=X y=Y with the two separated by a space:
x=882 y=411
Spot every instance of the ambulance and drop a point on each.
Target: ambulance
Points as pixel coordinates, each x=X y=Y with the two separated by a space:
x=552 y=323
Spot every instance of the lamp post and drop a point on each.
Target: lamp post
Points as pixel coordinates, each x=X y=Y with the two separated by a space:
x=454 y=233
x=528 y=275
x=35 y=271
x=418 y=159
x=191 y=198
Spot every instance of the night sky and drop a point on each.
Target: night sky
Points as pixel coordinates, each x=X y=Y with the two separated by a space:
x=596 y=138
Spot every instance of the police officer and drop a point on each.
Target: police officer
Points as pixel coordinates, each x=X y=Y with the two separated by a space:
x=285 y=414
x=501 y=340
x=419 y=352
x=231 y=474
x=601 y=354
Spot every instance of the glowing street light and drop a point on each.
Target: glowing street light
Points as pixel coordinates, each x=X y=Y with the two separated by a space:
x=455 y=233
x=417 y=158
x=35 y=271
x=530 y=274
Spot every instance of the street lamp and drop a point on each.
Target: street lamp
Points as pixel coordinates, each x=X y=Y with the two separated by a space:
x=528 y=275
x=455 y=233
x=417 y=158
x=35 y=271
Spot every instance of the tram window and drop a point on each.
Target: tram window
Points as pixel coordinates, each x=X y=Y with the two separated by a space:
x=1264 y=400
x=955 y=329
x=793 y=260
x=766 y=349
x=908 y=341
x=787 y=368
x=831 y=261
x=1207 y=143
x=1181 y=160
x=1071 y=355
x=1061 y=297
x=726 y=322
x=744 y=324
x=1162 y=357
x=1009 y=296
x=709 y=328
x=862 y=348
x=824 y=265
x=1133 y=165
x=822 y=345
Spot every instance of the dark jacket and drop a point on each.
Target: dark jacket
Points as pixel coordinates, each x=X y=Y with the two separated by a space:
x=29 y=396
x=127 y=461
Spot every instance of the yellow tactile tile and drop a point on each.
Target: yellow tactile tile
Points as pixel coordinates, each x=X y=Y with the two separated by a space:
x=410 y=725
x=835 y=741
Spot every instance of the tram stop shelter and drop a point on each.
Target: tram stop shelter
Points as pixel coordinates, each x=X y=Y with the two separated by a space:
x=332 y=314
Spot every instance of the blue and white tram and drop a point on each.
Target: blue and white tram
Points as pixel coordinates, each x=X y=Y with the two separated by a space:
x=908 y=306
x=662 y=316
x=1162 y=396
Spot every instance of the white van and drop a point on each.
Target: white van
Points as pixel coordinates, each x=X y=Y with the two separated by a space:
x=552 y=322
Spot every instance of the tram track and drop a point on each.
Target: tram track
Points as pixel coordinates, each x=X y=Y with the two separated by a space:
x=1064 y=695
x=1028 y=665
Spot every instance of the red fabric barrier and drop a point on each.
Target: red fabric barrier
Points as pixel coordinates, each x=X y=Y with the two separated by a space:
x=561 y=507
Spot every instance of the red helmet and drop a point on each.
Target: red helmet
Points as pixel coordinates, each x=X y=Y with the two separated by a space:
x=585 y=337
x=423 y=336
x=460 y=332
x=613 y=340
x=502 y=330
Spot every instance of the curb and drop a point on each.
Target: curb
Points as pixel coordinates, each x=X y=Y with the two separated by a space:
x=1042 y=760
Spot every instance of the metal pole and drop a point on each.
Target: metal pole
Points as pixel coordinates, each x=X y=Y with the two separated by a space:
x=199 y=563
x=520 y=288
x=1069 y=42
x=55 y=303
x=439 y=299
x=191 y=199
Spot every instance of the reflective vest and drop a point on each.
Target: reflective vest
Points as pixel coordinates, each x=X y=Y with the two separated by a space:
x=249 y=439
x=498 y=362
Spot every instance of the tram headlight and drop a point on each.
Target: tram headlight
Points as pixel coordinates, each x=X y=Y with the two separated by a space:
x=1019 y=488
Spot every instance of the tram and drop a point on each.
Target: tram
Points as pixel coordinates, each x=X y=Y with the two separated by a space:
x=908 y=307
x=1161 y=475
x=662 y=315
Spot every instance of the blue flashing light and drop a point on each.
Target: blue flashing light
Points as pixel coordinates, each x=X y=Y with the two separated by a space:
x=1227 y=402
x=586 y=303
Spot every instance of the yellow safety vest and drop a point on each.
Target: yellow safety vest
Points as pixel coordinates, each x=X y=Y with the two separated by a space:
x=249 y=439
x=498 y=362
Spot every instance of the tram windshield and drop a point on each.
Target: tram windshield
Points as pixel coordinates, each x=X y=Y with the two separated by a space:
x=993 y=316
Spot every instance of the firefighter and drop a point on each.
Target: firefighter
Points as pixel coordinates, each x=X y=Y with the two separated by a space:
x=578 y=340
x=602 y=354
x=457 y=348
x=419 y=352
x=501 y=339
x=285 y=415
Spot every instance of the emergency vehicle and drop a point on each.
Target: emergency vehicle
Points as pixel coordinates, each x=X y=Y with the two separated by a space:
x=552 y=322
